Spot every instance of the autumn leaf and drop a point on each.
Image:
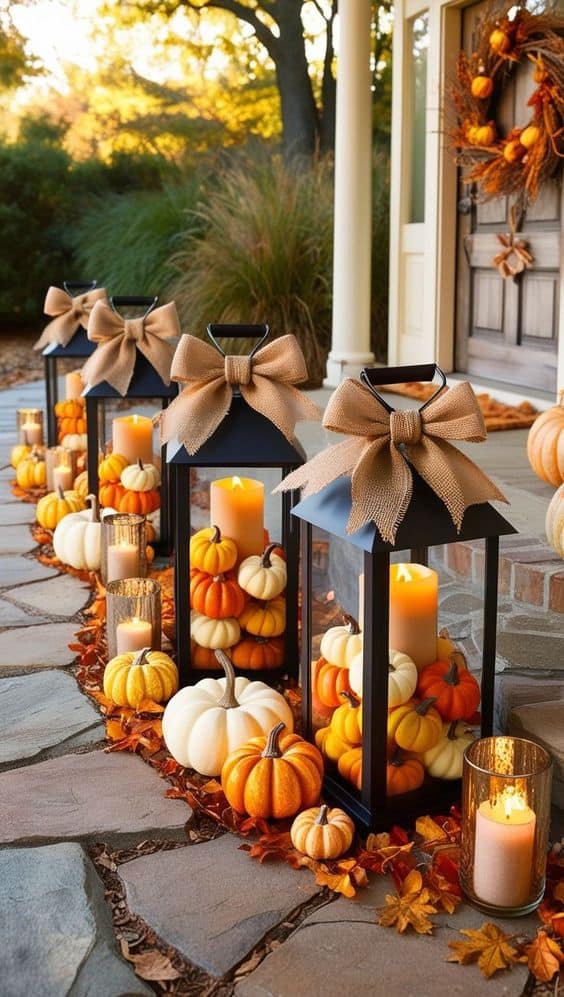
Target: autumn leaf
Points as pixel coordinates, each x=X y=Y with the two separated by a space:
x=429 y=830
x=442 y=891
x=338 y=882
x=544 y=957
x=114 y=730
x=150 y=965
x=489 y=946
x=409 y=907
x=381 y=859
x=211 y=786
x=275 y=845
x=376 y=841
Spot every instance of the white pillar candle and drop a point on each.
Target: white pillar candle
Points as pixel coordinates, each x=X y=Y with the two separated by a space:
x=33 y=433
x=503 y=851
x=62 y=477
x=73 y=385
x=132 y=436
x=237 y=508
x=123 y=561
x=133 y=635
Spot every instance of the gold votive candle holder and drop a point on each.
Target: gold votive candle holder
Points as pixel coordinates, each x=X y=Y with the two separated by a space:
x=30 y=426
x=133 y=615
x=506 y=787
x=123 y=547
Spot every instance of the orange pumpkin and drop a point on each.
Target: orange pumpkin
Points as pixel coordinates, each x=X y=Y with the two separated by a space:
x=457 y=693
x=66 y=427
x=273 y=777
x=216 y=596
x=204 y=659
x=139 y=502
x=256 y=653
x=350 y=766
x=403 y=775
x=329 y=682
x=110 y=494
x=545 y=444
x=70 y=408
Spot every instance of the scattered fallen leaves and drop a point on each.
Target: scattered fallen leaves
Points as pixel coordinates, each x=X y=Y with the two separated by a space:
x=489 y=946
x=150 y=965
x=442 y=891
x=410 y=907
x=544 y=957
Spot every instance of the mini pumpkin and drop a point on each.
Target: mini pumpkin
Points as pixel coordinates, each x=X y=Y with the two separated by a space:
x=111 y=467
x=403 y=774
x=216 y=634
x=77 y=538
x=110 y=493
x=206 y=722
x=456 y=692
x=330 y=744
x=70 y=408
x=340 y=645
x=263 y=576
x=18 y=453
x=258 y=653
x=482 y=87
x=329 y=682
x=554 y=523
x=141 y=503
x=350 y=766
x=415 y=726
x=216 y=596
x=545 y=443
x=445 y=760
x=131 y=677
x=264 y=619
x=274 y=776
x=75 y=441
x=402 y=677
x=211 y=552
x=31 y=472
x=80 y=485
x=55 y=506
x=346 y=721
x=322 y=833
x=140 y=477
x=204 y=659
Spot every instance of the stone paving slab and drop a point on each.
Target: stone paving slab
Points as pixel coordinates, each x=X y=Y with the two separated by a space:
x=15 y=616
x=35 y=647
x=57 y=931
x=62 y=596
x=16 y=539
x=16 y=513
x=43 y=712
x=214 y=903
x=339 y=949
x=92 y=796
x=16 y=570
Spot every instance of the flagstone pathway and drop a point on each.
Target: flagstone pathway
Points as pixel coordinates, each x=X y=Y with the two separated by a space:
x=233 y=925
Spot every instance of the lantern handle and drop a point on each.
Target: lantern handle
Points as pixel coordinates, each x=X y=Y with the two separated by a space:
x=372 y=376
x=235 y=331
x=71 y=286
x=133 y=300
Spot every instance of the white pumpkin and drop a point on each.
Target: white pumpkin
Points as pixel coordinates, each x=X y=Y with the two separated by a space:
x=77 y=538
x=263 y=575
x=340 y=645
x=444 y=761
x=214 y=633
x=140 y=477
x=554 y=523
x=204 y=723
x=402 y=677
x=75 y=441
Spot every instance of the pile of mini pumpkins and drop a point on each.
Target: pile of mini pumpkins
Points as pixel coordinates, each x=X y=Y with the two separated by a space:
x=29 y=465
x=240 y=610
x=545 y=450
x=127 y=487
x=428 y=711
x=71 y=418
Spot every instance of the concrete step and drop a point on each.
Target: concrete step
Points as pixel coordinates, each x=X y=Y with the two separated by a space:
x=544 y=723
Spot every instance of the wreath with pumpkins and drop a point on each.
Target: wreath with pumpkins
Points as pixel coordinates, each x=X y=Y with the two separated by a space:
x=521 y=160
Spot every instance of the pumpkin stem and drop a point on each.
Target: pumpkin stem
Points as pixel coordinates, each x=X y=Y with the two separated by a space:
x=265 y=561
x=321 y=818
x=60 y=492
x=451 y=733
x=451 y=677
x=141 y=657
x=425 y=705
x=228 y=700
x=397 y=759
x=94 y=508
x=140 y=464
x=272 y=749
x=216 y=535
x=351 y=624
x=352 y=700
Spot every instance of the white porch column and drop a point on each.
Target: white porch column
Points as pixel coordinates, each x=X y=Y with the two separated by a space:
x=350 y=338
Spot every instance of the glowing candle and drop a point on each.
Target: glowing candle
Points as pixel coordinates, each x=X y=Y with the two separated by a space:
x=62 y=477
x=132 y=436
x=133 y=635
x=123 y=561
x=33 y=433
x=413 y=611
x=504 y=848
x=73 y=385
x=237 y=508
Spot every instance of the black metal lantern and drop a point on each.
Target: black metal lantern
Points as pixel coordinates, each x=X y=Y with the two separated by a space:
x=337 y=561
x=244 y=439
x=79 y=348
x=146 y=384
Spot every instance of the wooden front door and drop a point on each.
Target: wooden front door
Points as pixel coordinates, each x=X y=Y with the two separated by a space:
x=507 y=329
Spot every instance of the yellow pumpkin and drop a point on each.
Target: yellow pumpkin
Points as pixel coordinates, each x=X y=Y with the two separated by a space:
x=19 y=452
x=415 y=726
x=554 y=523
x=485 y=134
x=322 y=833
x=500 y=42
x=545 y=444
x=264 y=619
x=482 y=87
x=131 y=677
x=529 y=136
x=346 y=721
x=513 y=151
x=31 y=472
x=55 y=506
x=330 y=744
x=211 y=552
x=111 y=467
x=80 y=485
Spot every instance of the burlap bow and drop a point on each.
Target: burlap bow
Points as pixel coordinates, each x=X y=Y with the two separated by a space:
x=266 y=382
x=377 y=452
x=69 y=313
x=119 y=339
x=516 y=248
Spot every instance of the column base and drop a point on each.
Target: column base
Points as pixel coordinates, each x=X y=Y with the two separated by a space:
x=342 y=365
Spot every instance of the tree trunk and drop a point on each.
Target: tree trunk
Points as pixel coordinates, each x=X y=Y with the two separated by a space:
x=300 y=122
x=328 y=90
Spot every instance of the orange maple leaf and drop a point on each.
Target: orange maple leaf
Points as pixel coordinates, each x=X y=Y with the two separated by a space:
x=489 y=946
x=544 y=957
x=409 y=907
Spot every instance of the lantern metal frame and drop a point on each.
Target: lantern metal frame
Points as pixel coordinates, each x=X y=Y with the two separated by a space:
x=428 y=518
x=78 y=348
x=145 y=384
x=244 y=439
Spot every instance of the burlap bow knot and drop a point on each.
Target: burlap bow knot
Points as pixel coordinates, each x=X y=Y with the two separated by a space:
x=119 y=339
x=266 y=382
x=514 y=257
x=68 y=314
x=381 y=447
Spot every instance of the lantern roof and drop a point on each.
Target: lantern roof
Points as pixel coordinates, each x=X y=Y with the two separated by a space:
x=427 y=520
x=145 y=383
x=79 y=346
x=244 y=438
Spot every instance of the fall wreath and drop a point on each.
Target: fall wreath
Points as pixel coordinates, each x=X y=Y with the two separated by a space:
x=521 y=161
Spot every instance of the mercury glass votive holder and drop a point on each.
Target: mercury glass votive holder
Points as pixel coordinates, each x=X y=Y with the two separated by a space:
x=123 y=547
x=61 y=468
x=506 y=787
x=133 y=615
x=30 y=426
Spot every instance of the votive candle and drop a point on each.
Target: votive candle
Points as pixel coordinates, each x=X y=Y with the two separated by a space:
x=123 y=561
x=133 y=635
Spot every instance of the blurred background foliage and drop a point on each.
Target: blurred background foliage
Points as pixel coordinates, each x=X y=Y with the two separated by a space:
x=153 y=155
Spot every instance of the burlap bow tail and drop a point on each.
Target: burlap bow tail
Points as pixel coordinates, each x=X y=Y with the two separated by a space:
x=119 y=339
x=68 y=314
x=514 y=257
x=381 y=447
x=266 y=382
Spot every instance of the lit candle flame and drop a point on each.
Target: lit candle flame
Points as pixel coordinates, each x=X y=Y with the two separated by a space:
x=135 y=419
x=404 y=574
x=236 y=482
x=512 y=800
